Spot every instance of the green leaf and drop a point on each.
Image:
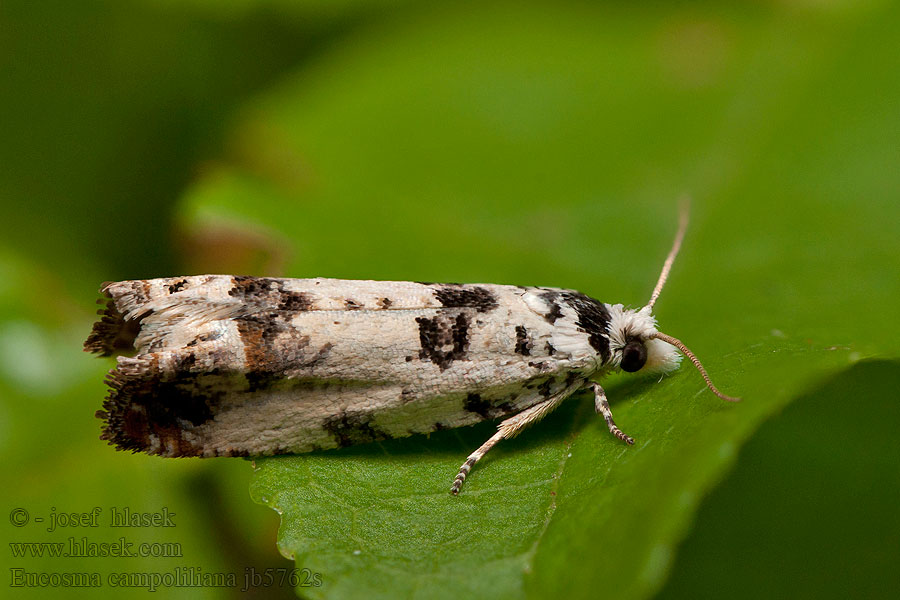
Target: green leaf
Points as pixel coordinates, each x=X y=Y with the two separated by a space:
x=830 y=518
x=379 y=520
x=550 y=149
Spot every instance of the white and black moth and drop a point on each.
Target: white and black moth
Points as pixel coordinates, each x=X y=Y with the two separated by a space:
x=221 y=365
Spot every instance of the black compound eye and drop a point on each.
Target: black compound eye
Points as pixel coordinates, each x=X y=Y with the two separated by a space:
x=634 y=355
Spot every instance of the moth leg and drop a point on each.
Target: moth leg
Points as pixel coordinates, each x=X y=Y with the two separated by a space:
x=602 y=406
x=473 y=458
x=507 y=429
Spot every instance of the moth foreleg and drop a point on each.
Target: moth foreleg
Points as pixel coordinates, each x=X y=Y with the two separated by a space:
x=507 y=429
x=602 y=406
x=472 y=459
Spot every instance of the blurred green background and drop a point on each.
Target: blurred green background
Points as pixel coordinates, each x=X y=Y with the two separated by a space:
x=528 y=143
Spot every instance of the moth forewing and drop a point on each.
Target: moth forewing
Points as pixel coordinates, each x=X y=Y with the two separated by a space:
x=298 y=365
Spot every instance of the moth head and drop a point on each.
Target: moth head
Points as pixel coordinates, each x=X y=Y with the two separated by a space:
x=636 y=345
x=633 y=346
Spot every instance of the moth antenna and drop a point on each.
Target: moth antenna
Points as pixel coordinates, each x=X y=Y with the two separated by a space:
x=683 y=217
x=684 y=349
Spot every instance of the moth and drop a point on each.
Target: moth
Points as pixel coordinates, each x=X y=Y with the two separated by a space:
x=221 y=365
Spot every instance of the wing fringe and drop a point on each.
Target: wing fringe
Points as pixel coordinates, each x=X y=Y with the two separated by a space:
x=113 y=333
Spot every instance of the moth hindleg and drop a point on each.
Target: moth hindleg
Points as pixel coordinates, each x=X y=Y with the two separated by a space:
x=602 y=406
x=508 y=428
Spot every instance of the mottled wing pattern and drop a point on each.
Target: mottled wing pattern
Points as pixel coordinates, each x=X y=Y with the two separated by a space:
x=226 y=366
